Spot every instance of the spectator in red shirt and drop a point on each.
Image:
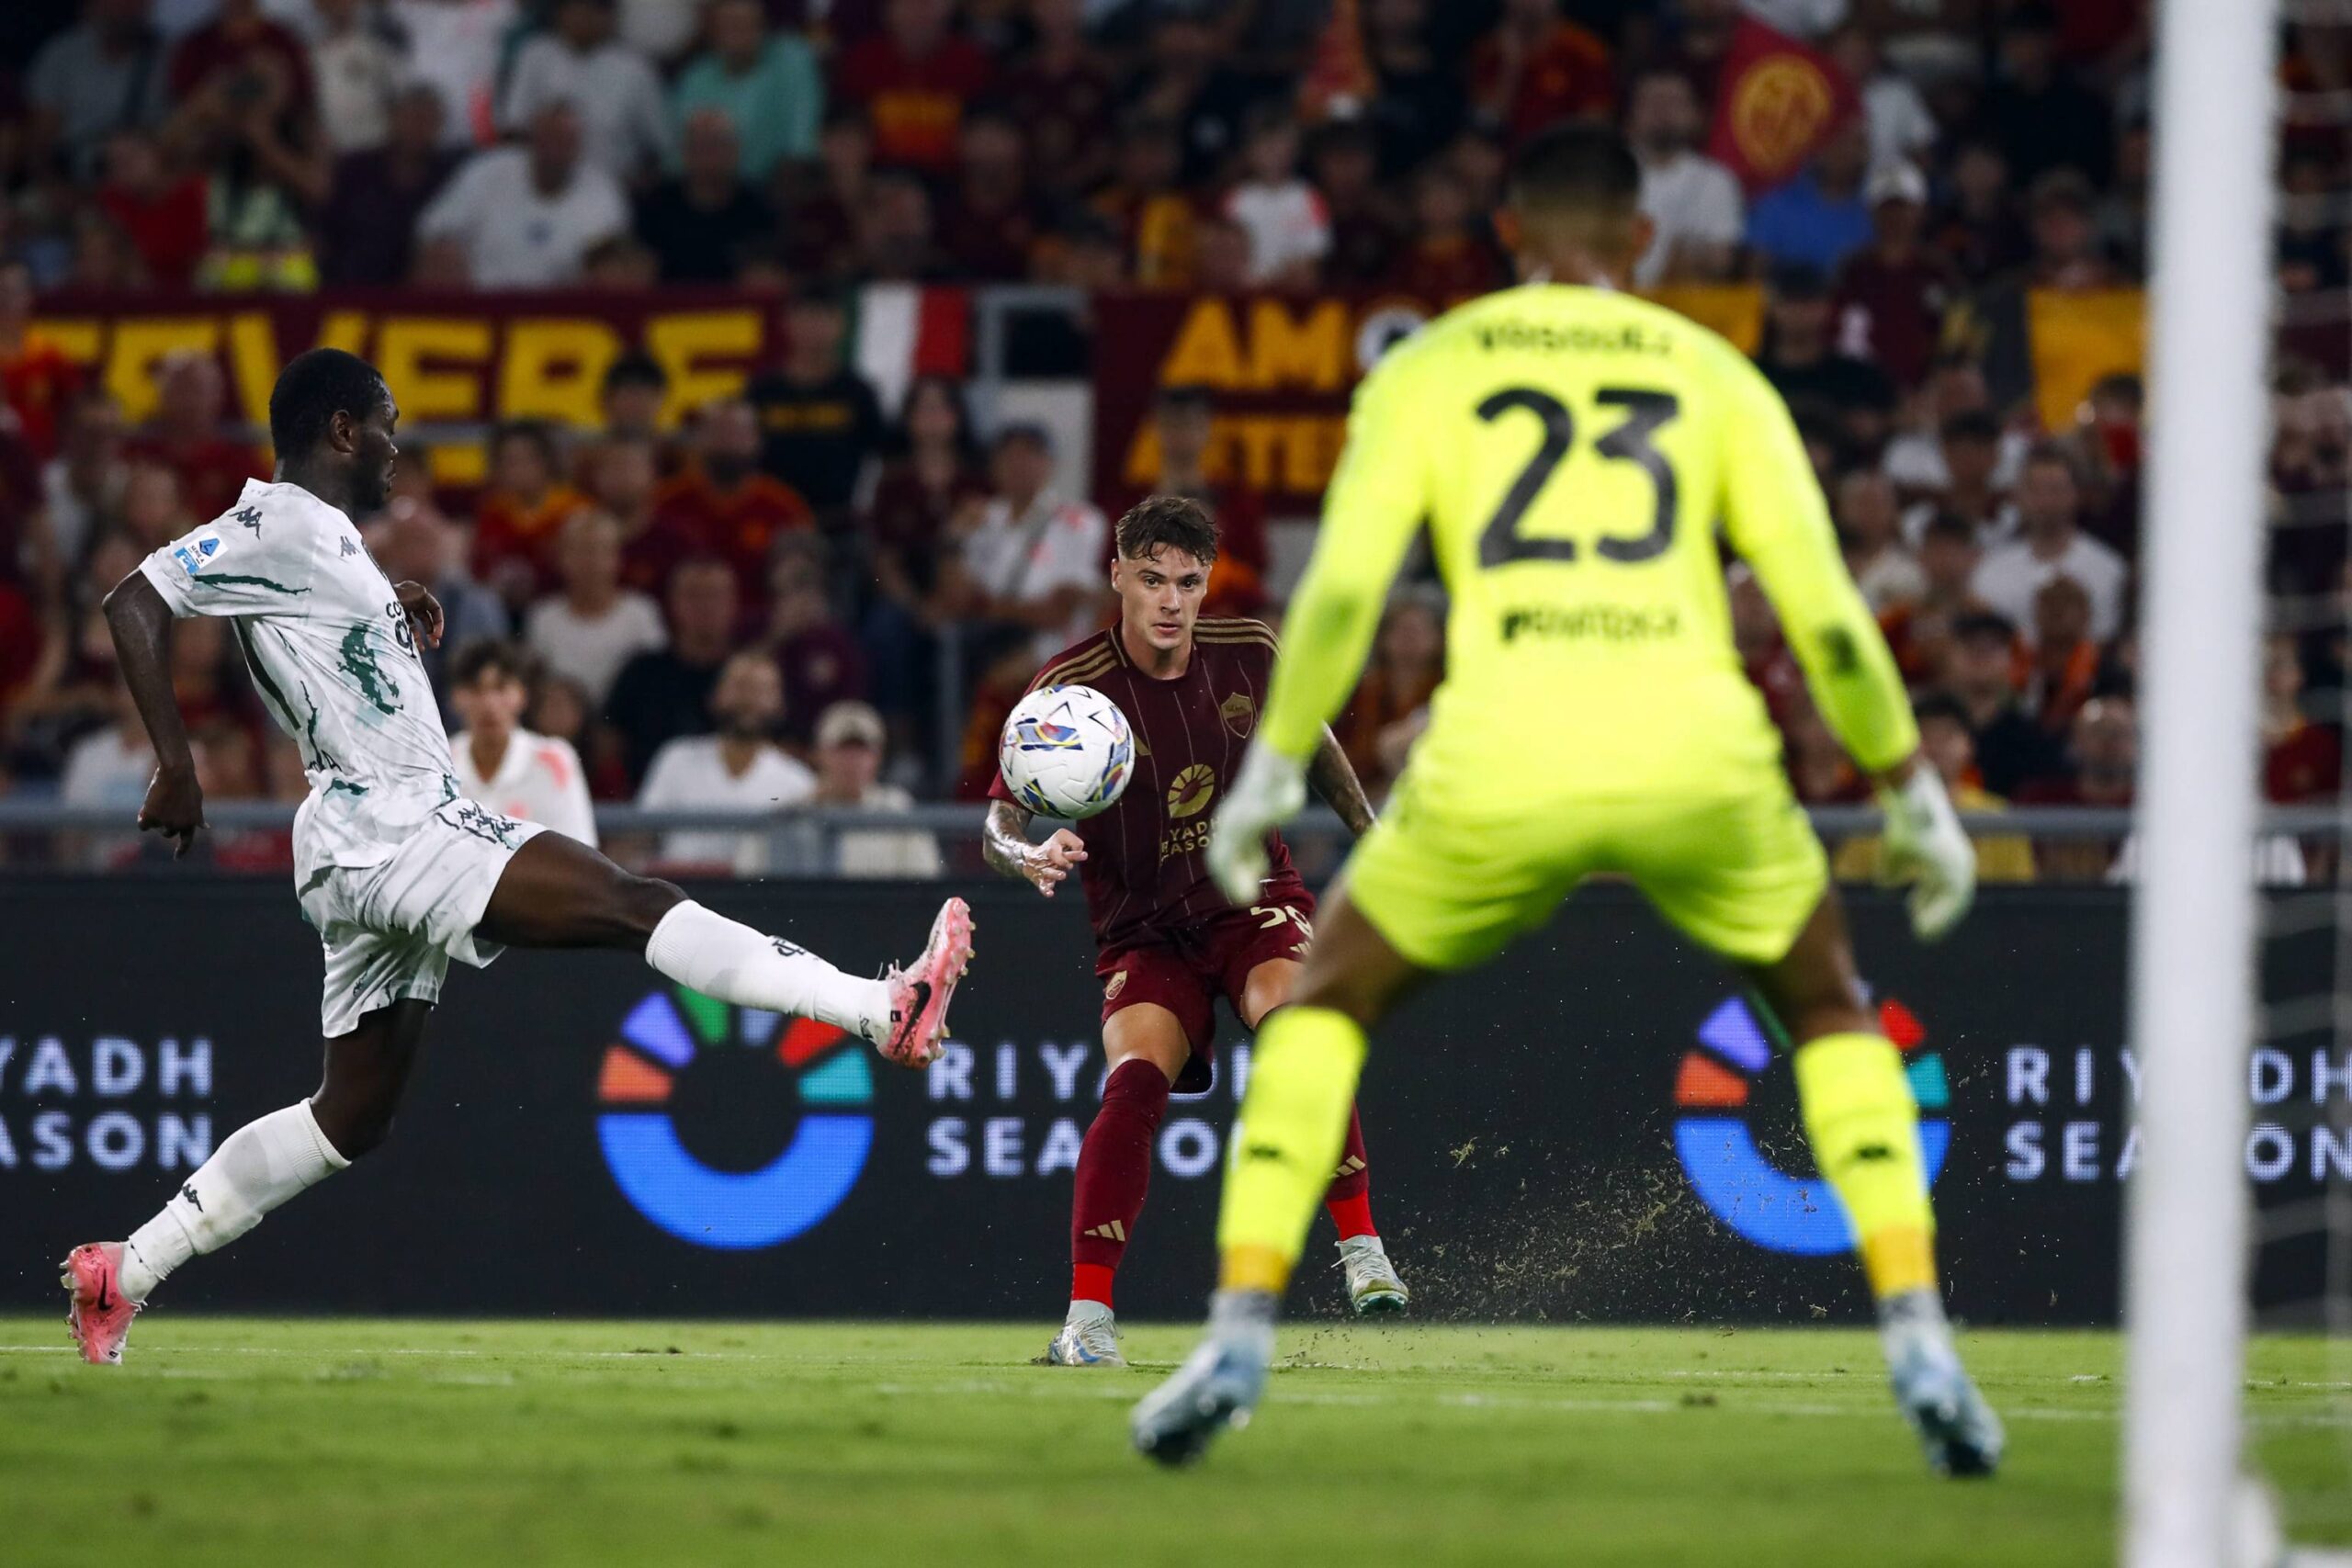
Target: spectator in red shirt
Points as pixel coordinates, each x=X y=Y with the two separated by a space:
x=35 y=377
x=2301 y=760
x=1979 y=230
x=623 y=475
x=522 y=512
x=1143 y=199
x=914 y=79
x=896 y=237
x=817 y=655
x=236 y=44
x=368 y=227
x=722 y=503
x=936 y=477
x=1059 y=91
x=1449 y=256
x=161 y=212
x=1537 y=68
x=1184 y=427
x=1366 y=225
x=1892 y=294
x=2063 y=667
x=992 y=221
x=185 y=436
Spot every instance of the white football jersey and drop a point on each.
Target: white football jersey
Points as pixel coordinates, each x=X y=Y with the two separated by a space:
x=333 y=659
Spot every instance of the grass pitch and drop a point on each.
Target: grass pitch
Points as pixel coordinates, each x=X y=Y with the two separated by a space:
x=343 y=1442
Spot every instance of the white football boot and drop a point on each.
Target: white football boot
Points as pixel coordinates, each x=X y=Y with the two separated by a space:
x=1090 y=1337
x=1957 y=1429
x=1218 y=1387
x=1372 y=1285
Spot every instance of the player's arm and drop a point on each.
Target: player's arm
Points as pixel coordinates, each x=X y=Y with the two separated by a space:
x=1378 y=495
x=140 y=624
x=1333 y=779
x=1777 y=520
x=1004 y=844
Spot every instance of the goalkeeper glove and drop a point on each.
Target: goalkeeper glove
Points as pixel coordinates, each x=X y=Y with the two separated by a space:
x=1927 y=848
x=1267 y=792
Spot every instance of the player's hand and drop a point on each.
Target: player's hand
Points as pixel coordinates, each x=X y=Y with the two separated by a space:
x=173 y=807
x=1267 y=792
x=424 y=612
x=1047 y=864
x=1927 y=848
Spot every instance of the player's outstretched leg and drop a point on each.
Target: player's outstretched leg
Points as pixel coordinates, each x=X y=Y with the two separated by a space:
x=1146 y=1045
x=557 y=892
x=256 y=1169
x=1863 y=1126
x=1293 y=1123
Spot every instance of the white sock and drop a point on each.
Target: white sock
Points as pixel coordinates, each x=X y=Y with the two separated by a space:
x=256 y=1168
x=729 y=960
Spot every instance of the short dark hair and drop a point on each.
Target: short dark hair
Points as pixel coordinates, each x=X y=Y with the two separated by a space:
x=1973 y=424
x=486 y=655
x=1950 y=526
x=1940 y=705
x=636 y=369
x=1983 y=626
x=313 y=389
x=1024 y=432
x=1172 y=521
x=1189 y=396
x=1588 y=168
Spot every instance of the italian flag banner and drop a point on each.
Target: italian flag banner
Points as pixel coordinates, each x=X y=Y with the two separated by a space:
x=906 y=329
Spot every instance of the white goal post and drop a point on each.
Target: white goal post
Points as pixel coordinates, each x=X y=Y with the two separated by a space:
x=2192 y=1013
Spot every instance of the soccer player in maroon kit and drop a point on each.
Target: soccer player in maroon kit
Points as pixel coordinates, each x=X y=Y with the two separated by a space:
x=1168 y=943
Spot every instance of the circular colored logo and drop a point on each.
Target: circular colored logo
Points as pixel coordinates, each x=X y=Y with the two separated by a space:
x=696 y=1202
x=1777 y=112
x=1731 y=1174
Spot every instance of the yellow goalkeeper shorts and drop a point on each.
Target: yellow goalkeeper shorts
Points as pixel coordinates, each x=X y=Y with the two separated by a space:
x=1738 y=873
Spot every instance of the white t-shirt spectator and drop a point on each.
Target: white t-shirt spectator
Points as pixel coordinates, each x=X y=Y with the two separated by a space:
x=515 y=237
x=358 y=74
x=690 y=775
x=1798 y=18
x=1901 y=130
x=1286 y=222
x=1915 y=460
x=624 y=123
x=538 y=780
x=1051 y=545
x=887 y=851
x=2008 y=579
x=101 y=768
x=592 y=651
x=1689 y=198
x=453 y=45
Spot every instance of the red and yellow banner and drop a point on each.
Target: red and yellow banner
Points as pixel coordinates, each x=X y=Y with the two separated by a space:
x=1776 y=101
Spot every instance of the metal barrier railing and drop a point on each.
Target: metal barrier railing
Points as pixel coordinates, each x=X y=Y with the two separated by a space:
x=809 y=842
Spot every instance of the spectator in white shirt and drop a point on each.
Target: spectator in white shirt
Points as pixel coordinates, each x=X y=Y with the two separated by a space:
x=594 y=625
x=527 y=217
x=2050 y=544
x=1289 y=227
x=358 y=72
x=1871 y=528
x=850 y=746
x=1695 y=210
x=1033 y=561
x=624 y=116
x=456 y=46
x=536 y=778
x=738 y=768
x=1900 y=126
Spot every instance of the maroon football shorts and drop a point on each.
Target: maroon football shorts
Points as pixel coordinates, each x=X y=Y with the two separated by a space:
x=1185 y=968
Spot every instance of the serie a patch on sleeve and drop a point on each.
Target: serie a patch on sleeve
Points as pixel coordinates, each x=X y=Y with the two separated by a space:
x=197 y=554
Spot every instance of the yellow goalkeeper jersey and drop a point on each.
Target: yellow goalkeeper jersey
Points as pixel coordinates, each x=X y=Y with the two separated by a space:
x=1574 y=452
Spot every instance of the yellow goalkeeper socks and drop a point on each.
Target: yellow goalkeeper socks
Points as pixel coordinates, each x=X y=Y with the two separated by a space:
x=1302 y=1081
x=1865 y=1127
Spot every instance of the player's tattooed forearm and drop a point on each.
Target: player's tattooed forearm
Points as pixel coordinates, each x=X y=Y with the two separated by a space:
x=1004 y=839
x=1333 y=779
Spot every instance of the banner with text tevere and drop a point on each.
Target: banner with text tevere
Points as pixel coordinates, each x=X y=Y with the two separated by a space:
x=1592 y=1128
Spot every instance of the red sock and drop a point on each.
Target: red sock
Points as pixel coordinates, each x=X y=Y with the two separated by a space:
x=1113 y=1170
x=1349 y=1202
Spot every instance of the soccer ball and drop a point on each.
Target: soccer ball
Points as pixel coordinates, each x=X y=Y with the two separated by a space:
x=1065 y=752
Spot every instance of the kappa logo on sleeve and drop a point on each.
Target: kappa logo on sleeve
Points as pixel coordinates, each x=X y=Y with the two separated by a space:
x=197 y=554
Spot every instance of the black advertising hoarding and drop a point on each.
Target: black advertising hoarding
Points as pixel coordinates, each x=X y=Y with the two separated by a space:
x=1593 y=1127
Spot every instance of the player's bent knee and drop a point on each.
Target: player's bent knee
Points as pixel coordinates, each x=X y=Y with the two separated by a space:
x=355 y=1129
x=644 y=901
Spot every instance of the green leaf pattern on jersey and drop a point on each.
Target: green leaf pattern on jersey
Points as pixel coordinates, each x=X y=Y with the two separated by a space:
x=359 y=663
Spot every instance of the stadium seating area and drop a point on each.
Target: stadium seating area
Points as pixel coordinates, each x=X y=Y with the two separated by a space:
x=1905 y=290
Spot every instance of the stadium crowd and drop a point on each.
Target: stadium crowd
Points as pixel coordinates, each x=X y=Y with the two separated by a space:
x=749 y=607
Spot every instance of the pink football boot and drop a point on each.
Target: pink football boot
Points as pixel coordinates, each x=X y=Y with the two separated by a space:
x=98 y=1314
x=918 y=994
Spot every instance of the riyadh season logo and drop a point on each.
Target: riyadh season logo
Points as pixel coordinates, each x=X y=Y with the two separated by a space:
x=1773 y=1208
x=672 y=1037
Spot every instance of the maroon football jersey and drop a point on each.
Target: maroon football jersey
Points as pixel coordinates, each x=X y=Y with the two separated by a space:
x=1147 y=867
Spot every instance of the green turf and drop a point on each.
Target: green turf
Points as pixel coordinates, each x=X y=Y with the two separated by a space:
x=337 y=1443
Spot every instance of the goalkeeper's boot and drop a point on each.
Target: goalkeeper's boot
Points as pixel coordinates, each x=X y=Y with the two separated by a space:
x=1957 y=1429
x=1373 y=1285
x=1090 y=1337
x=97 y=1314
x=1218 y=1385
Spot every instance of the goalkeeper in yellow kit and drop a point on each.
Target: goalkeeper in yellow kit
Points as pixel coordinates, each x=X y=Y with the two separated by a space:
x=1572 y=450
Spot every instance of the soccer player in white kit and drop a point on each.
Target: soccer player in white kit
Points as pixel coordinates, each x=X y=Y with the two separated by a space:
x=397 y=871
